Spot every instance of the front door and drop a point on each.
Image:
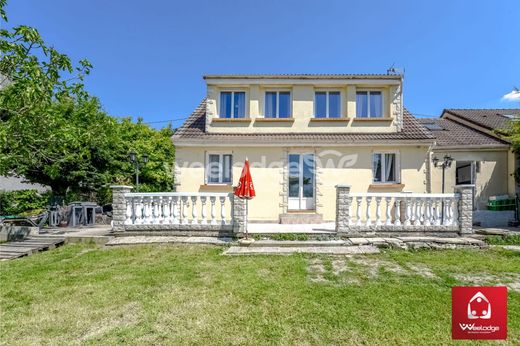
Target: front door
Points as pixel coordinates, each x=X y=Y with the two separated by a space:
x=301 y=181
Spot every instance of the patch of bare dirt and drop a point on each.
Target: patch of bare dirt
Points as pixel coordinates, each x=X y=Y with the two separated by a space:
x=511 y=280
x=126 y=316
x=423 y=270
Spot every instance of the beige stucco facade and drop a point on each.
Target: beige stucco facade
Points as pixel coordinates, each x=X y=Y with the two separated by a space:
x=302 y=95
x=334 y=165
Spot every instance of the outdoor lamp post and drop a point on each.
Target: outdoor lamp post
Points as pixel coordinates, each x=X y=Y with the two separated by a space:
x=134 y=159
x=446 y=162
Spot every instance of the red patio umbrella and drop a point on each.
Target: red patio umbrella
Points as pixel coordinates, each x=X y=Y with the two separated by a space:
x=245 y=188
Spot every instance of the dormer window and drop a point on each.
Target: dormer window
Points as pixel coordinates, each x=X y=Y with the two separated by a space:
x=369 y=104
x=327 y=104
x=277 y=104
x=232 y=104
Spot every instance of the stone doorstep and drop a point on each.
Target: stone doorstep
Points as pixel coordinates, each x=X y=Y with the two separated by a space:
x=280 y=250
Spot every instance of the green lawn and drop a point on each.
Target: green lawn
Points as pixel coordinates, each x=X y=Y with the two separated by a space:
x=194 y=295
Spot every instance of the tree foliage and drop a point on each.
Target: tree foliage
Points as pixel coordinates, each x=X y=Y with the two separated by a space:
x=54 y=133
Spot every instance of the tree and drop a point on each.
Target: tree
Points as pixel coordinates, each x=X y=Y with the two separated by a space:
x=54 y=133
x=32 y=74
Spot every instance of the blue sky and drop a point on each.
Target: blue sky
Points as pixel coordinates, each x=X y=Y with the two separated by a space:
x=149 y=56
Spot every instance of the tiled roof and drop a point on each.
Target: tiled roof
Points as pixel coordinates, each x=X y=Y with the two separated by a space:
x=491 y=119
x=193 y=131
x=451 y=133
x=304 y=76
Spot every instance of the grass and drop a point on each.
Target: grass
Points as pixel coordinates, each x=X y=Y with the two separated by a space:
x=511 y=239
x=289 y=236
x=81 y=294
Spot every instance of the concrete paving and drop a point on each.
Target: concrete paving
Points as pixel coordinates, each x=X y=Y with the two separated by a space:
x=280 y=250
x=274 y=228
x=136 y=240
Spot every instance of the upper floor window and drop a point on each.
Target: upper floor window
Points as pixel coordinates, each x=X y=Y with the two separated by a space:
x=327 y=104
x=232 y=104
x=384 y=167
x=219 y=168
x=277 y=104
x=369 y=104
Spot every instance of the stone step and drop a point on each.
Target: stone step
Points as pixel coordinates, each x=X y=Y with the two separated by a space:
x=297 y=243
x=301 y=218
x=280 y=250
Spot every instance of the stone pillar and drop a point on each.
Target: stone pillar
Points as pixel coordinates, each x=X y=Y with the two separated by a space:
x=239 y=216
x=119 y=207
x=465 y=208
x=342 y=208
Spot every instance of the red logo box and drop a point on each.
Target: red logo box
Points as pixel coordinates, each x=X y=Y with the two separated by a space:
x=479 y=312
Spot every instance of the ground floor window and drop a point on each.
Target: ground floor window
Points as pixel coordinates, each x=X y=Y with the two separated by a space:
x=219 y=168
x=466 y=172
x=384 y=167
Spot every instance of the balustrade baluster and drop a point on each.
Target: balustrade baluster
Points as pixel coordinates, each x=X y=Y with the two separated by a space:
x=223 y=210
x=445 y=212
x=397 y=212
x=148 y=206
x=411 y=206
x=378 y=211
x=455 y=210
x=358 y=210
x=184 y=209
x=421 y=211
x=438 y=207
x=368 y=219
x=388 y=213
x=194 y=214
x=167 y=209
x=417 y=212
x=175 y=210
x=129 y=211
x=160 y=209
x=406 y=222
x=427 y=212
x=212 y=200
x=203 y=210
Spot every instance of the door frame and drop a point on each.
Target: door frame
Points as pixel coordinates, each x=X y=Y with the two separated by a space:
x=300 y=203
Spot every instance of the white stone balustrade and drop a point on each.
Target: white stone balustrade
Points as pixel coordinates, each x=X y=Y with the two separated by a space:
x=406 y=210
x=177 y=208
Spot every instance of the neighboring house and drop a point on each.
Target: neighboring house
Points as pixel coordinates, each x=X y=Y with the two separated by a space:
x=478 y=158
x=303 y=134
x=483 y=156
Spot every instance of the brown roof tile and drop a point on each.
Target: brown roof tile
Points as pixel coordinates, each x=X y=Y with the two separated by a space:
x=193 y=131
x=451 y=133
x=491 y=119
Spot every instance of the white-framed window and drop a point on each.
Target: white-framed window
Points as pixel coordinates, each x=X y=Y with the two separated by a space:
x=277 y=104
x=327 y=104
x=232 y=104
x=386 y=167
x=369 y=104
x=219 y=168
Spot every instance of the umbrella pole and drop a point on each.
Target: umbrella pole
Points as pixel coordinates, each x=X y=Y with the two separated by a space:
x=247 y=216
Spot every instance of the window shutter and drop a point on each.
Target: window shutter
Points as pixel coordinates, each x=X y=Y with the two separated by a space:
x=206 y=171
x=398 y=167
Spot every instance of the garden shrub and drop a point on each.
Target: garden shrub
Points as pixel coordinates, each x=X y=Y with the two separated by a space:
x=22 y=202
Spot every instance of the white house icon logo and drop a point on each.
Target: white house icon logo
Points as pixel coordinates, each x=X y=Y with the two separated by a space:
x=479 y=307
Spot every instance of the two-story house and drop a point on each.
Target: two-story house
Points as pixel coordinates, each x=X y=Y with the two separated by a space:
x=303 y=135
